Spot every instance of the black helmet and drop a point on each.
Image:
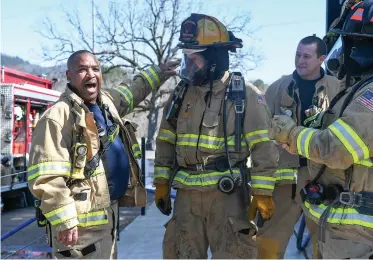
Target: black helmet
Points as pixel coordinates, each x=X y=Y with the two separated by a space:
x=358 y=22
x=353 y=54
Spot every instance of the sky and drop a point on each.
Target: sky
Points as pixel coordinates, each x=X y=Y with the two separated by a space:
x=280 y=26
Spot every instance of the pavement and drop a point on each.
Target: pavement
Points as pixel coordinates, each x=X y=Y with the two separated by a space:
x=142 y=239
x=30 y=242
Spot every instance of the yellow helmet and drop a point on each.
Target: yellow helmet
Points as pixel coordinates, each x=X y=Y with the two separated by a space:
x=200 y=31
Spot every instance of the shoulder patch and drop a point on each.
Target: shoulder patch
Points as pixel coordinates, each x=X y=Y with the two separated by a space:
x=366 y=99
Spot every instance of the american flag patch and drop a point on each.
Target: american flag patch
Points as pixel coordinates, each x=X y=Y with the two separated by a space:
x=366 y=99
x=261 y=99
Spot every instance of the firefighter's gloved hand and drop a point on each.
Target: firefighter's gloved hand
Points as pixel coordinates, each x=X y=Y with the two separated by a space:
x=330 y=39
x=280 y=128
x=265 y=207
x=162 y=198
x=168 y=68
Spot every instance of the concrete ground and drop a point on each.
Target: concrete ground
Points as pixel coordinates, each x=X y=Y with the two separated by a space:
x=142 y=239
x=31 y=240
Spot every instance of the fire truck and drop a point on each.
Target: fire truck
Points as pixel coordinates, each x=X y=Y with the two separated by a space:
x=23 y=97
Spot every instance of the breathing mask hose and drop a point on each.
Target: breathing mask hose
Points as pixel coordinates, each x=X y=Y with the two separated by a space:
x=225 y=130
x=212 y=72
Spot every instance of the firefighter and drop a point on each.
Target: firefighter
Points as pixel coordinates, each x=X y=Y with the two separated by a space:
x=339 y=197
x=301 y=95
x=83 y=157
x=203 y=148
x=6 y=171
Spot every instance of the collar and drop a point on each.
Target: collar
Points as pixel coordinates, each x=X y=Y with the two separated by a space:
x=219 y=84
x=75 y=99
x=298 y=79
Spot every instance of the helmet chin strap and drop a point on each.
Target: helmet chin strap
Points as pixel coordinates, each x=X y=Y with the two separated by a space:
x=346 y=67
x=348 y=61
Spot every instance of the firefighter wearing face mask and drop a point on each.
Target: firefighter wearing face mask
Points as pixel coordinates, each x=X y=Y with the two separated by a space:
x=302 y=95
x=339 y=197
x=210 y=126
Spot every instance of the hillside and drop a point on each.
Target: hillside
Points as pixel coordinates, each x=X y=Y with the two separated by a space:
x=18 y=63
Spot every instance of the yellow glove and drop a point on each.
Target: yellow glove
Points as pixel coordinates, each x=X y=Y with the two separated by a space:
x=280 y=128
x=265 y=206
x=162 y=198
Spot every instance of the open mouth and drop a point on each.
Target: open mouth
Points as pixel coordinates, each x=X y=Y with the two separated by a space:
x=91 y=87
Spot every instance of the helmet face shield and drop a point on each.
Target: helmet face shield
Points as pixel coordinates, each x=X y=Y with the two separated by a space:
x=334 y=60
x=193 y=68
x=362 y=53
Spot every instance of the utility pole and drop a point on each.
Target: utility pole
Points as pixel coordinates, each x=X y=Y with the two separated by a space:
x=93 y=25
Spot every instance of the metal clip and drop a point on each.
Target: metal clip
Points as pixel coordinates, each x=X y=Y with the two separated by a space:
x=239 y=108
x=101 y=131
x=199 y=167
x=350 y=199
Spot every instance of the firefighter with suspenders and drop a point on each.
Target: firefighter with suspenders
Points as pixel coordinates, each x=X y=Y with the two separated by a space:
x=211 y=125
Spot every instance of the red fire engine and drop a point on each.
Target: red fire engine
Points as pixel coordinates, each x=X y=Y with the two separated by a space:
x=24 y=97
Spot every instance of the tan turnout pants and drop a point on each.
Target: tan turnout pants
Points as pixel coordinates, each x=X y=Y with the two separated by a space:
x=203 y=219
x=93 y=243
x=342 y=241
x=274 y=236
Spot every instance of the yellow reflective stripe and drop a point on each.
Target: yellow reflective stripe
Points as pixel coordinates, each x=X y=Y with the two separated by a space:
x=128 y=96
x=155 y=75
x=303 y=141
x=77 y=174
x=205 y=141
x=166 y=135
x=93 y=218
x=49 y=168
x=61 y=214
x=98 y=171
x=345 y=216
x=162 y=172
x=286 y=174
x=151 y=76
x=136 y=151
x=203 y=179
x=257 y=137
x=263 y=182
x=367 y=163
x=350 y=140
x=114 y=134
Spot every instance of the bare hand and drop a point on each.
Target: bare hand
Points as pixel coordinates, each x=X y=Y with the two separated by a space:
x=68 y=237
x=168 y=68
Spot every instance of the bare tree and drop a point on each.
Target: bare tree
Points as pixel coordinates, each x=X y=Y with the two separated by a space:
x=136 y=34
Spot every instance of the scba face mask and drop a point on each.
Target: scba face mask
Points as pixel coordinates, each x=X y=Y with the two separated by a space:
x=194 y=68
x=334 y=60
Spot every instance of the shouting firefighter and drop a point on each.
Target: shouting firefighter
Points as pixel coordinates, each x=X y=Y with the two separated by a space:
x=211 y=125
x=82 y=163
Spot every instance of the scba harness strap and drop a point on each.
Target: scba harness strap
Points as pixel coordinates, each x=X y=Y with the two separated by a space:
x=107 y=137
x=236 y=94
